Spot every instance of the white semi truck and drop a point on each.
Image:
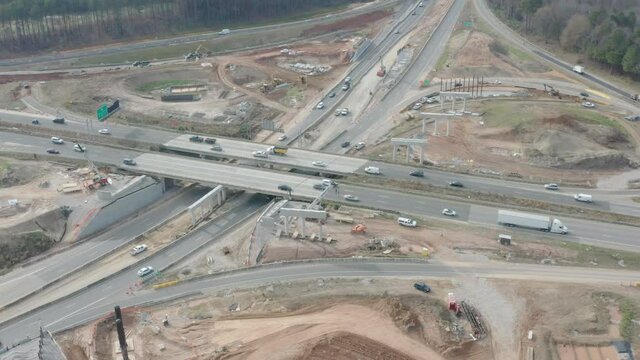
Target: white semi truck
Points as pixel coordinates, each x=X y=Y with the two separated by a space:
x=531 y=221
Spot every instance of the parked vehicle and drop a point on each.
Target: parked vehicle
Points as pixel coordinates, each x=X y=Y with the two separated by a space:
x=578 y=69
x=260 y=154
x=531 y=221
x=551 y=186
x=58 y=121
x=332 y=95
x=359 y=146
x=128 y=161
x=350 y=197
x=583 y=197
x=210 y=141
x=422 y=287
x=417 y=106
x=345 y=87
x=278 y=150
x=417 y=173
x=57 y=140
x=196 y=138
x=407 y=222
x=344 y=112
x=449 y=212
x=138 y=249
x=633 y=117
x=372 y=170
x=282 y=138
x=320 y=105
x=145 y=271
x=337 y=112
x=346 y=144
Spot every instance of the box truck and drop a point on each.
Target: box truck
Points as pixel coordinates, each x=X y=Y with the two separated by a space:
x=531 y=221
x=578 y=69
x=278 y=150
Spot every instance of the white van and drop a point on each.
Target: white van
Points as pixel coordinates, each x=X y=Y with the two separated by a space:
x=407 y=222
x=583 y=197
x=328 y=182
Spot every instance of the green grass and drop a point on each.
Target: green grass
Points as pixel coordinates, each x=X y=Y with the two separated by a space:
x=4 y=164
x=442 y=60
x=507 y=113
x=163 y=84
x=518 y=54
x=628 y=313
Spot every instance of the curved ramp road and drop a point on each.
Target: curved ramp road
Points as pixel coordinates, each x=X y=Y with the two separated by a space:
x=98 y=300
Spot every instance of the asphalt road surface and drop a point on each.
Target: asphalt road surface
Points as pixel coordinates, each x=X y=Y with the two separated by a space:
x=116 y=287
x=209 y=173
x=295 y=158
x=98 y=301
x=24 y=280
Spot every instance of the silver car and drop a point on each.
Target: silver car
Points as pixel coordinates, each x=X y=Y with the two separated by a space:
x=260 y=154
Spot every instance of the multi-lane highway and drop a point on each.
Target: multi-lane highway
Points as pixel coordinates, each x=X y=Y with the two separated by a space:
x=98 y=301
x=267 y=181
x=294 y=158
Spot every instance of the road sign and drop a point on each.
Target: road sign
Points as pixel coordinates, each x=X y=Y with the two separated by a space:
x=102 y=112
x=425 y=82
x=467 y=23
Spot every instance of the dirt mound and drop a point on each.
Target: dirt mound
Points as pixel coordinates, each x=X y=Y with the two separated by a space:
x=476 y=52
x=348 y=24
x=345 y=346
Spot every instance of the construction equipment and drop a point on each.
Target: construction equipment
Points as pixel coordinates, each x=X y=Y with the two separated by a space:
x=197 y=55
x=271 y=85
x=358 y=229
x=382 y=71
x=550 y=90
x=635 y=97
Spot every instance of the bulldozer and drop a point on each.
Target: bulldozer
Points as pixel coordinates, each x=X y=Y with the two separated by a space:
x=382 y=71
x=269 y=86
x=358 y=229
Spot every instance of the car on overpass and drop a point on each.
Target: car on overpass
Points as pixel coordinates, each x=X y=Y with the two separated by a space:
x=285 y=187
x=128 y=161
x=57 y=140
x=260 y=154
x=196 y=138
x=319 y=163
x=320 y=186
x=210 y=141
x=79 y=148
x=373 y=170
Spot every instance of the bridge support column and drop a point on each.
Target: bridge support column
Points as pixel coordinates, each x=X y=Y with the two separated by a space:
x=394 y=153
x=167 y=184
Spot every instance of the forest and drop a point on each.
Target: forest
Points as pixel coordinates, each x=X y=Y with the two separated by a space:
x=605 y=31
x=35 y=25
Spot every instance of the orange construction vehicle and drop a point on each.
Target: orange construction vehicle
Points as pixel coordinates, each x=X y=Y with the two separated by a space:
x=358 y=229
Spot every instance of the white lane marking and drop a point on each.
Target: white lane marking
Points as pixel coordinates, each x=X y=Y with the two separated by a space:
x=20 y=277
x=75 y=312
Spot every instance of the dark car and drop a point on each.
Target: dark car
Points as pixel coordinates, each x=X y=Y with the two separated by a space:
x=53 y=151
x=128 y=161
x=196 y=138
x=584 y=94
x=285 y=188
x=35 y=122
x=345 y=144
x=455 y=184
x=58 y=121
x=332 y=95
x=422 y=287
x=417 y=173
x=319 y=186
x=210 y=141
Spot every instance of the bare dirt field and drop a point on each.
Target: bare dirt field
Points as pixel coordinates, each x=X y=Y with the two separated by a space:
x=541 y=140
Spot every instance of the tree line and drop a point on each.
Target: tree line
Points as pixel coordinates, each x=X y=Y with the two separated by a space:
x=28 y=25
x=605 y=31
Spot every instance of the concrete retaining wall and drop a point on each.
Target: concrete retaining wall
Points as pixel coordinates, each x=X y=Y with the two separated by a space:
x=139 y=193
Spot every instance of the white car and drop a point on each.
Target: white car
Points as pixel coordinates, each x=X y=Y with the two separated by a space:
x=431 y=100
x=57 y=140
x=359 y=146
x=337 y=112
x=282 y=138
x=319 y=163
x=350 y=197
x=260 y=154
x=104 y=131
x=449 y=212
x=138 y=249
x=344 y=112
x=588 y=104
x=320 y=105
x=145 y=271
x=372 y=170
x=417 y=106
x=79 y=148
x=551 y=186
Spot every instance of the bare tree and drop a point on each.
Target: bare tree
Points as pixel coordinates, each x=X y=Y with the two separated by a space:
x=575 y=33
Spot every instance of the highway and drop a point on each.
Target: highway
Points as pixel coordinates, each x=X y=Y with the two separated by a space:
x=254 y=179
x=115 y=287
x=380 y=46
x=374 y=122
x=38 y=274
x=103 y=50
x=295 y=158
x=98 y=301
